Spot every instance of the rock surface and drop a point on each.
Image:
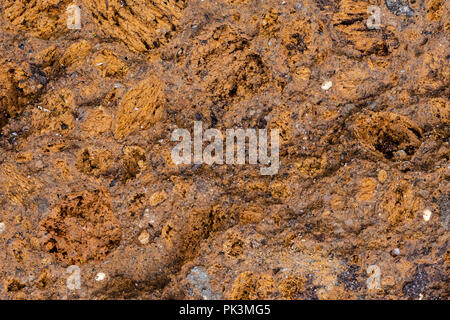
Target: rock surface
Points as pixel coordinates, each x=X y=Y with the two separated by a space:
x=87 y=180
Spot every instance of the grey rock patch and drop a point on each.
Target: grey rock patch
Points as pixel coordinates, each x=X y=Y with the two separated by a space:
x=199 y=279
x=444 y=211
x=400 y=7
x=43 y=206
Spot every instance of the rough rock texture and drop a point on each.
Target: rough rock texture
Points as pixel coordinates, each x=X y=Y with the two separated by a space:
x=86 y=176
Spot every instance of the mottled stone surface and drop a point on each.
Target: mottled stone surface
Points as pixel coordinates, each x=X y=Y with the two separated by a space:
x=87 y=179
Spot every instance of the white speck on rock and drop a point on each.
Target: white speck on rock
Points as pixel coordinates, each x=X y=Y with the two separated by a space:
x=427 y=214
x=2 y=227
x=100 y=276
x=327 y=85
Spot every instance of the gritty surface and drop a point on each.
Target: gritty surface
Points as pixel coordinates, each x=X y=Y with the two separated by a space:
x=358 y=210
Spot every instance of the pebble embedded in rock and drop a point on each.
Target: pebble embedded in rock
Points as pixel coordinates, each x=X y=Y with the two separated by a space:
x=2 y=227
x=427 y=214
x=395 y=252
x=382 y=175
x=326 y=85
x=100 y=276
x=144 y=237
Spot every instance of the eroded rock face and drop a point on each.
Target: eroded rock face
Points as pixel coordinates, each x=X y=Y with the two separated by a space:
x=45 y=19
x=388 y=134
x=357 y=210
x=82 y=228
x=8 y=98
x=140 y=108
x=18 y=87
x=141 y=25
